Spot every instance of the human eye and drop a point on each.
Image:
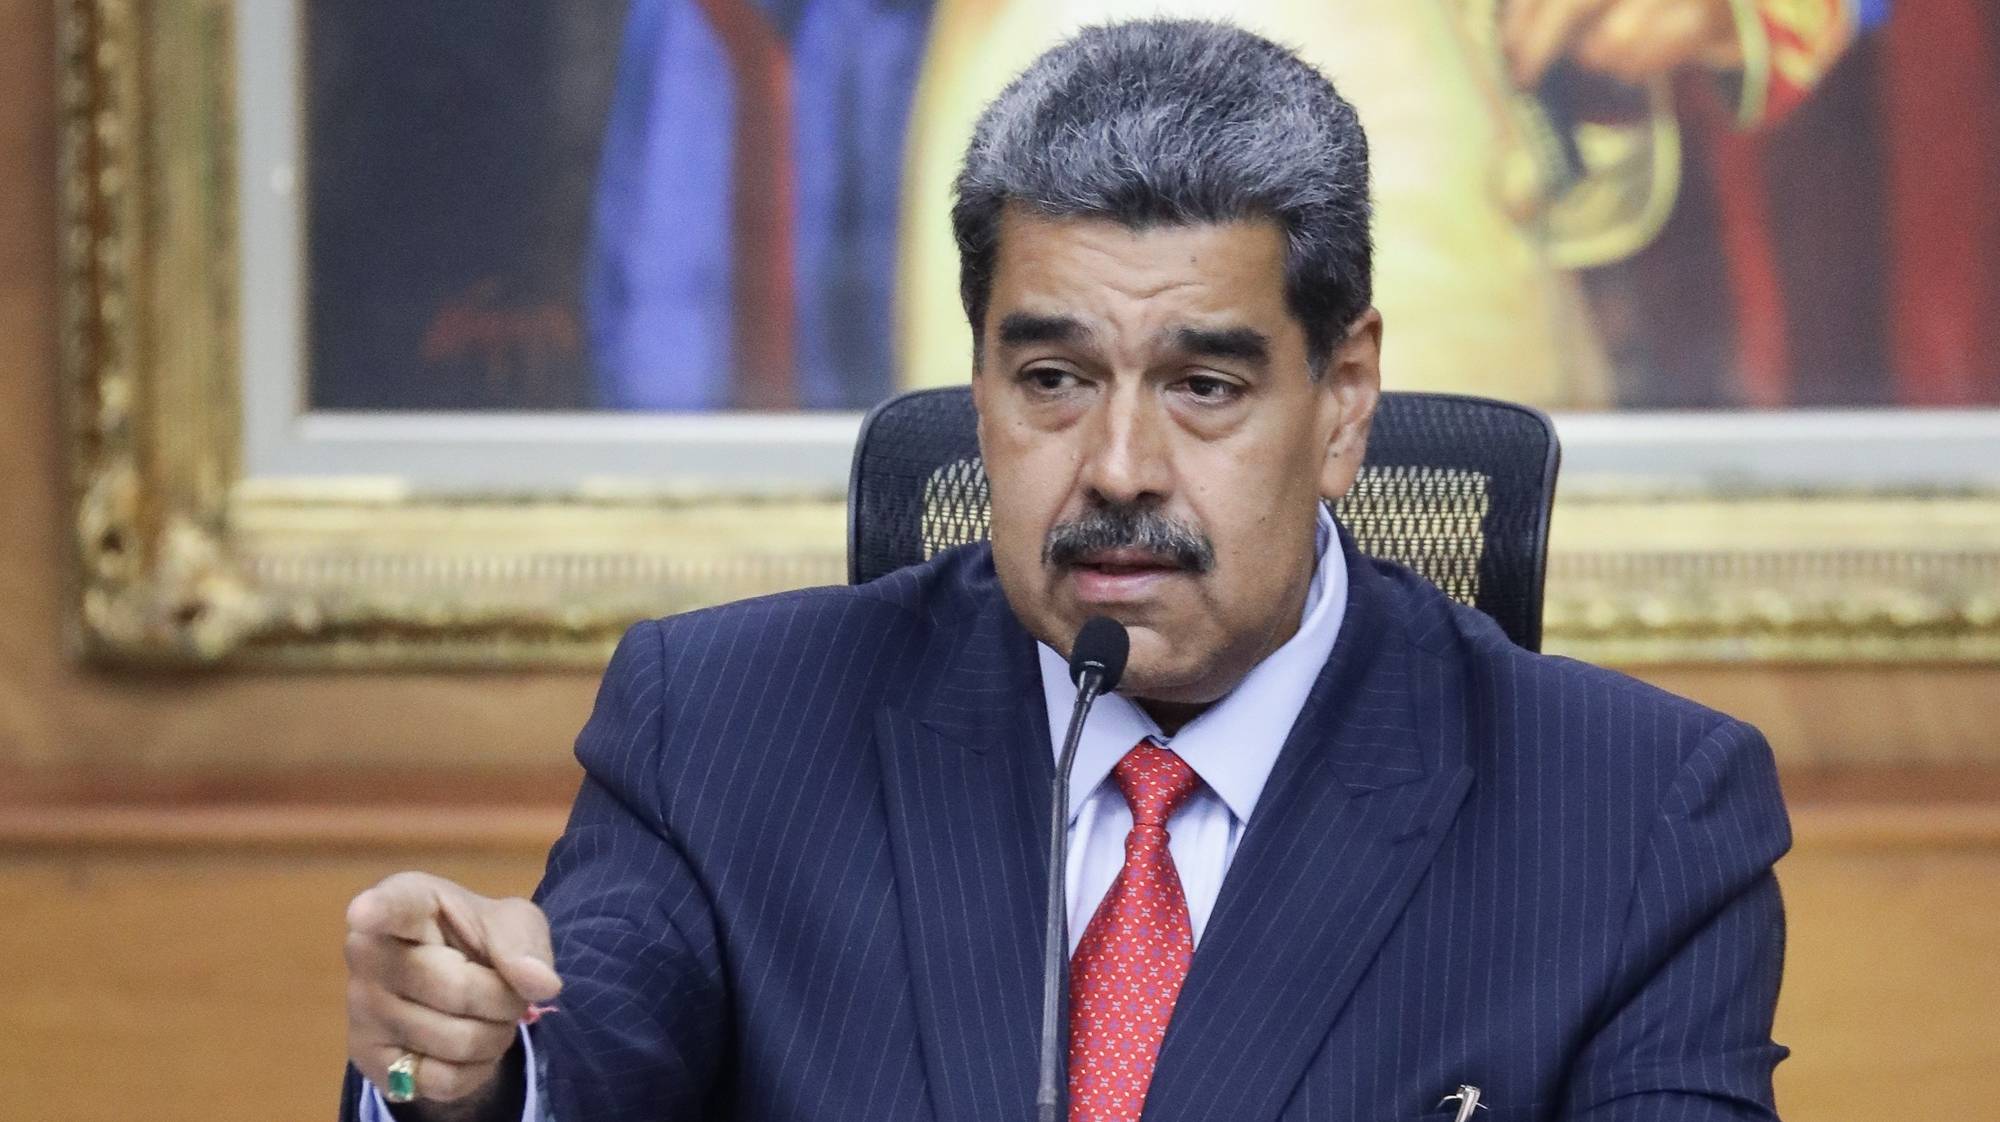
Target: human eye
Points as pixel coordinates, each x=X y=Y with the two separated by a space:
x=1047 y=380
x=1210 y=389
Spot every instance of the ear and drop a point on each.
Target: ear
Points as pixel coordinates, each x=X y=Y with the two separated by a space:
x=1353 y=385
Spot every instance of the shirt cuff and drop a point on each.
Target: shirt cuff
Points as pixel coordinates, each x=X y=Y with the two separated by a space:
x=375 y=1108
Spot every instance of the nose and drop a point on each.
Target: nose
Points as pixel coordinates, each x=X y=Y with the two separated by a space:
x=1129 y=460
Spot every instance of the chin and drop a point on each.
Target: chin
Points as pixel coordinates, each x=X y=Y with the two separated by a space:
x=1152 y=675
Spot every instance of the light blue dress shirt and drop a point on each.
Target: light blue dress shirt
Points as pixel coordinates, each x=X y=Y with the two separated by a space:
x=1231 y=745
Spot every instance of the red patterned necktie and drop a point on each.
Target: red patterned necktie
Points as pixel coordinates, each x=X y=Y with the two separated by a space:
x=1130 y=964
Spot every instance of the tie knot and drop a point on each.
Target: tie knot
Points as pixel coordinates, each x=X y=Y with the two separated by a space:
x=1155 y=782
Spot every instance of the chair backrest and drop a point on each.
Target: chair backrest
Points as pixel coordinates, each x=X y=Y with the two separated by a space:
x=1457 y=488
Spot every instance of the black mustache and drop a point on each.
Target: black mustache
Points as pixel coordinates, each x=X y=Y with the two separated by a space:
x=1128 y=527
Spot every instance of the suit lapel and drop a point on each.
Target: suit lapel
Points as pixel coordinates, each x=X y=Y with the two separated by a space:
x=967 y=766
x=1356 y=805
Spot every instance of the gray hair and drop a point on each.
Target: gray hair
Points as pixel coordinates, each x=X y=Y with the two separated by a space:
x=1172 y=122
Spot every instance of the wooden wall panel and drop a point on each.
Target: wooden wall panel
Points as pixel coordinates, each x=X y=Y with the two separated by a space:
x=195 y=966
x=1892 y=982
x=205 y=986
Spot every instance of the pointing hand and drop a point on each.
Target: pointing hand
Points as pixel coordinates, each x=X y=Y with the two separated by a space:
x=442 y=972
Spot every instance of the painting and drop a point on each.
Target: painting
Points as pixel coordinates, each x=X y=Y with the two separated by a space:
x=460 y=334
x=720 y=205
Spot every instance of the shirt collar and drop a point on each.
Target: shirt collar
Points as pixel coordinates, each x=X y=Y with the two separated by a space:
x=1233 y=744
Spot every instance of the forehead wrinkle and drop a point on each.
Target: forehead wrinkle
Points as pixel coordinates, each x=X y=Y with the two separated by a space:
x=1131 y=298
x=1156 y=289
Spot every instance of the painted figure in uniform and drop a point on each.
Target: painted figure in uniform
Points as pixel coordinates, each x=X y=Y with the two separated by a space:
x=1570 y=195
x=744 y=240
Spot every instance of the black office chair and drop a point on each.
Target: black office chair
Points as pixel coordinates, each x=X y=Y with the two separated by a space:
x=1457 y=488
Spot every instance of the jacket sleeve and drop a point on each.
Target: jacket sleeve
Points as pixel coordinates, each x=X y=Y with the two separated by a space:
x=643 y=1015
x=1687 y=1033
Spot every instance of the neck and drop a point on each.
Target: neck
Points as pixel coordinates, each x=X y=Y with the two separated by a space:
x=1171 y=716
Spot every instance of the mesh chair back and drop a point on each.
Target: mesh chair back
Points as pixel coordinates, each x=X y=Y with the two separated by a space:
x=1457 y=488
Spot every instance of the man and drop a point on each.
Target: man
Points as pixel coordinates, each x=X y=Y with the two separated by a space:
x=1340 y=850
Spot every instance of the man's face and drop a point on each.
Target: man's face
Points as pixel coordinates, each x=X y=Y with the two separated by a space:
x=1156 y=444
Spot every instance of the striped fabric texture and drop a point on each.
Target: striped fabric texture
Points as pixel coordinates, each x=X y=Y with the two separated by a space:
x=803 y=879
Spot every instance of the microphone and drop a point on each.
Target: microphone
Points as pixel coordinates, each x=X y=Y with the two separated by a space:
x=1096 y=662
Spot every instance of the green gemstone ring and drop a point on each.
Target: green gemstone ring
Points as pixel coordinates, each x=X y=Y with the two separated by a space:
x=402 y=1079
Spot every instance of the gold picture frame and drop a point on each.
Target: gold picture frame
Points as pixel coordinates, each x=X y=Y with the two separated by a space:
x=182 y=559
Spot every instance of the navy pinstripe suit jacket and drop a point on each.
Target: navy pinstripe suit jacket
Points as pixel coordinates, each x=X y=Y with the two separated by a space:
x=803 y=878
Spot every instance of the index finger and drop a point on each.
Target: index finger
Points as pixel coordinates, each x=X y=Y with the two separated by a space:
x=405 y=906
x=512 y=936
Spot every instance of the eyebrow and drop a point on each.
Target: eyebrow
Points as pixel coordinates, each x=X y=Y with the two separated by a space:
x=1244 y=344
x=1022 y=328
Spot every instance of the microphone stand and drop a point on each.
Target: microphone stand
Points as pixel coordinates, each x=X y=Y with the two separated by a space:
x=1055 y=935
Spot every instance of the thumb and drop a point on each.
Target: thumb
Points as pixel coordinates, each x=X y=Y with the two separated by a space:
x=512 y=936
